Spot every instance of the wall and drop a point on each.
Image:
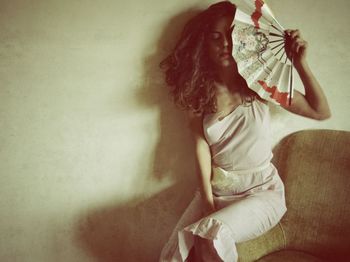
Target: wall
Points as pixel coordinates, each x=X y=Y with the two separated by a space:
x=96 y=163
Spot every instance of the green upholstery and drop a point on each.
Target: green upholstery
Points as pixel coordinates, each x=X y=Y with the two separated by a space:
x=289 y=256
x=315 y=168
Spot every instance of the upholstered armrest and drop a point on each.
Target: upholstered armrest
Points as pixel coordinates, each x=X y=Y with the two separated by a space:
x=315 y=168
x=271 y=241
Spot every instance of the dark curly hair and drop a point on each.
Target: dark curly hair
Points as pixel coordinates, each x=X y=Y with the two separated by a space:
x=188 y=69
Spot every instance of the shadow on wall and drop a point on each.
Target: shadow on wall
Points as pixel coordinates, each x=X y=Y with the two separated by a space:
x=134 y=231
x=137 y=230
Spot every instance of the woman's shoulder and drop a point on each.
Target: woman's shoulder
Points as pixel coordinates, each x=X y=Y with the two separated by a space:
x=260 y=102
x=258 y=98
x=195 y=125
x=262 y=106
x=195 y=121
x=193 y=116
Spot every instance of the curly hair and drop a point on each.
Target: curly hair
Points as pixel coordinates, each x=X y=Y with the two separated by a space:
x=188 y=69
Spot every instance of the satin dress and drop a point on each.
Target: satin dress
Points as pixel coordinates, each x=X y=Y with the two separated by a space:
x=247 y=190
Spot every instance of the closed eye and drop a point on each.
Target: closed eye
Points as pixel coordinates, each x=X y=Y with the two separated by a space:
x=215 y=35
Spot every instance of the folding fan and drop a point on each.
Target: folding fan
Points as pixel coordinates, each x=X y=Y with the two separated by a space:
x=258 y=49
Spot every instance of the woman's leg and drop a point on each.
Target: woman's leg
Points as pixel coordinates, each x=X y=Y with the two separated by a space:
x=191 y=256
x=240 y=221
x=171 y=251
x=205 y=251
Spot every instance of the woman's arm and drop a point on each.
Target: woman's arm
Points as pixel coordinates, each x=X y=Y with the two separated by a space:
x=314 y=103
x=203 y=163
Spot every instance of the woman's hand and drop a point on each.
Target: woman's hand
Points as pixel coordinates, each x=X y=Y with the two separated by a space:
x=208 y=208
x=296 y=47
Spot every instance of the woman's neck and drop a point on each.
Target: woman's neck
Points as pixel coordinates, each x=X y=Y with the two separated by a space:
x=230 y=78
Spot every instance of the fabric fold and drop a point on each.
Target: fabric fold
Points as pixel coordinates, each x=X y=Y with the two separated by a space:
x=209 y=228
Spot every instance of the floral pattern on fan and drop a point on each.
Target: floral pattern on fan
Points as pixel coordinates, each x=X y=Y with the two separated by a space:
x=246 y=40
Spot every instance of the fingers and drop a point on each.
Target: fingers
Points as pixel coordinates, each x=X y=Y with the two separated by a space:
x=302 y=46
x=295 y=42
x=293 y=33
x=298 y=47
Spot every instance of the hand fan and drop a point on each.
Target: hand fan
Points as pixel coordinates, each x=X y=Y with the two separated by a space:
x=258 y=49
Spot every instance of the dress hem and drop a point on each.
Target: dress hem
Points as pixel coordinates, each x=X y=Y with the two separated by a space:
x=208 y=228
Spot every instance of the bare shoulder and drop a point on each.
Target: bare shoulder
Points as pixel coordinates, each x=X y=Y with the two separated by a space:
x=262 y=100
x=193 y=118
x=195 y=122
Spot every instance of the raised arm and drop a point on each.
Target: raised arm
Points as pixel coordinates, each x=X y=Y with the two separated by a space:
x=314 y=103
x=203 y=163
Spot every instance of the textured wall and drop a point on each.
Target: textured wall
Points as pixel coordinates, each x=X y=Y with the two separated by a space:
x=96 y=162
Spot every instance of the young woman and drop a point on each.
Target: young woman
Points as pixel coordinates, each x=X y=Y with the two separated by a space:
x=240 y=194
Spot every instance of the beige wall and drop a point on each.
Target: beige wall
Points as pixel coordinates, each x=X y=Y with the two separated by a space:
x=95 y=160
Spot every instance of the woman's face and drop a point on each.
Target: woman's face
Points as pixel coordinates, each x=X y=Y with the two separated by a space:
x=219 y=42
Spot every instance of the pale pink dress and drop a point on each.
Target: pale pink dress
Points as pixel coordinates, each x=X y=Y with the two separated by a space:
x=246 y=186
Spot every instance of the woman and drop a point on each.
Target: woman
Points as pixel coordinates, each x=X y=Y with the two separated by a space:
x=240 y=195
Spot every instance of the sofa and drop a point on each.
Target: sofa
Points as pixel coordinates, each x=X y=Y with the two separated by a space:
x=315 y=168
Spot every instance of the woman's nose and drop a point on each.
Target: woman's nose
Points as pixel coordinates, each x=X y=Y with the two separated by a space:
x=226 y=41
